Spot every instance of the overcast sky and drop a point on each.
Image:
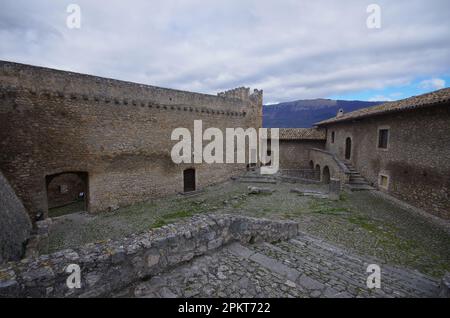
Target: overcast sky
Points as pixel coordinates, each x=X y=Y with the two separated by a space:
x=292 y=49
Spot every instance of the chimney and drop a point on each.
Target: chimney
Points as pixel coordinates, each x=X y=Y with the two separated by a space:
x=340 y=113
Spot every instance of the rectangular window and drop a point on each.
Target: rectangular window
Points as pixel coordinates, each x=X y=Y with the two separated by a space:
x=63 y=188
x=383 y=181
x=332 y=137
x=383 y=138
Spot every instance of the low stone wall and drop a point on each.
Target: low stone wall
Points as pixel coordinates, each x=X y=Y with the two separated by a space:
x=111 y=265
x=309 y=174
x=304 y=176
x=324 y=158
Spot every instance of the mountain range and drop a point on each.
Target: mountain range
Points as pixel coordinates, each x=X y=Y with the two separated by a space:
x=305 y=113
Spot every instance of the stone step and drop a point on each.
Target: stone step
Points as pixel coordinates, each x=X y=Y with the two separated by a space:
x=315 y=268
x=305 y=266
x=359 y=187
x=358 y=181
x=257 y=176
x=353 y=179
x=338 y=266
x=192 y=193
x=233 y=271
x=322 y=248
x=294 y=278
x=257 y=180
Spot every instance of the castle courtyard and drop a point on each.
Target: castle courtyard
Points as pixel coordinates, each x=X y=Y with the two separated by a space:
x=338 y=239
x=357 y=206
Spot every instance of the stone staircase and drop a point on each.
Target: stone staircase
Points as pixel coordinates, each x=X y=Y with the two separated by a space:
x=356 y=181
x=305 y=266
x=254 y=176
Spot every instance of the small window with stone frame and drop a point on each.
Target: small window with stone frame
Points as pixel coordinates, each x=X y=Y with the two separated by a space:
x=383 y=181
x=383 y=138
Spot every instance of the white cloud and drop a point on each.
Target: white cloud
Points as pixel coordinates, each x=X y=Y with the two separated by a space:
x=432 y=84
x=380 y=98
x=291 y=49
x=386 y=98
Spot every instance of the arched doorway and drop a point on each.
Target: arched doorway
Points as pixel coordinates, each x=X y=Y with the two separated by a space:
x=317 y=172
x=66 y=193
x=311 y=165
x=189 y=180
x=326 y=175
x=348 y=148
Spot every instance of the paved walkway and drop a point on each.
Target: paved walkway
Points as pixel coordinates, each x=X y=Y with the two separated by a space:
x=302 y=267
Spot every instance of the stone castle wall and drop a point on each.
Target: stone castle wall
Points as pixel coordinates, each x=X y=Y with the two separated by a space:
x=294 y=154
x=417 y=159
x=117 y=132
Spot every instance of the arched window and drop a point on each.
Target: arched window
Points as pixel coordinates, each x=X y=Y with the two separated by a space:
x=326 y=175
x=318 y=172
x=348 y=148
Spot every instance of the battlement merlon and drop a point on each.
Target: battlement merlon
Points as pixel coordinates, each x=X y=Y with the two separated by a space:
x=243 y=93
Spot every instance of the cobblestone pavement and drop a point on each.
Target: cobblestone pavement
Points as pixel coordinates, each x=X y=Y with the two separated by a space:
x=361 y=222
x=302 y=267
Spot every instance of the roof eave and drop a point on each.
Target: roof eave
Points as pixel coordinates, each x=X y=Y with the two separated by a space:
x=386 y=112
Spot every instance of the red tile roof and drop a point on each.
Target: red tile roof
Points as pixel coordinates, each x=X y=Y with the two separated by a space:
x=302 y=134
x=438 y=97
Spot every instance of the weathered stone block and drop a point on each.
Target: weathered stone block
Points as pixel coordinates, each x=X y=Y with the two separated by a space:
x=444 y=286
x=15 y=225
x=112 y=264
x=258 y=190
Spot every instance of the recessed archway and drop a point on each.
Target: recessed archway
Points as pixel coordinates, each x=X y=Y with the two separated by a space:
x=326 y=175
x=348 y=148
x=317 y=170
x=67 y=193
x=311 y=165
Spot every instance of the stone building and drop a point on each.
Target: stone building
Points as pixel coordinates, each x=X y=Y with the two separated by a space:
x=401 y=148
x=295 y=144
x=66 y=137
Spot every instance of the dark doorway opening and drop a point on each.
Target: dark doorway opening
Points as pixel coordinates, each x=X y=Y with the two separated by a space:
x=269 y=157
x=317 y=172
x=66 y=193
x=189 y=180
x=326 y=175
x=348 y=148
